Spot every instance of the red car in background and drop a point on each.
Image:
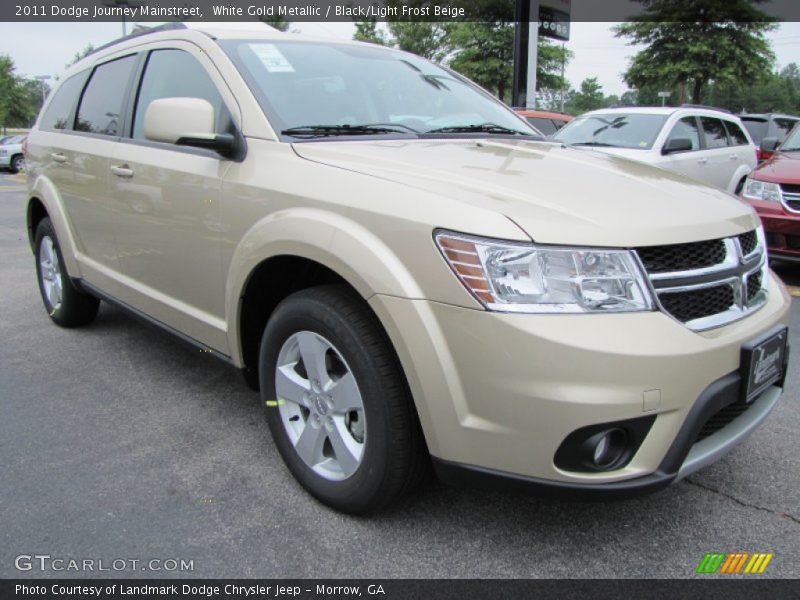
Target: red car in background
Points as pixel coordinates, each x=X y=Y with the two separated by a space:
x=774 y=190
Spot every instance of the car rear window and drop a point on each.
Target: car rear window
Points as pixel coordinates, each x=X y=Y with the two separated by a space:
x=546 y=126
x=756 y=127
x=783 y=127
x=715 y=134
x=60 y=108
x=735 y=134
x=101 y=104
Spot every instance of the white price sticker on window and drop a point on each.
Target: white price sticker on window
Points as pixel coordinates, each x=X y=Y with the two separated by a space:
x=272 y=58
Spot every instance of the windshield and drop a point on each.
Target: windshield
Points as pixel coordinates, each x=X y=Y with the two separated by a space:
x=618 y=130
x=318 y=90
x=792 y=143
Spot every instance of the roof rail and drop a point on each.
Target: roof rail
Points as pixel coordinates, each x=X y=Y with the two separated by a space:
x=136 y=34
x=725 y=110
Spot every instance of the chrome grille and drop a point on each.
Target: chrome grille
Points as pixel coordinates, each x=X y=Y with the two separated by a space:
x=791 y=196
x=708 y=284
x=682 y=257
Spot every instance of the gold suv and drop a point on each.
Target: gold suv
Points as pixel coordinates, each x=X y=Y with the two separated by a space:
x=403 y=267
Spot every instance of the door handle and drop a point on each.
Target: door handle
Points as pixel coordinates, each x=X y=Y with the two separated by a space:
x=733 y=157
x=58 y=157
x=702 y=161
x=122 y=171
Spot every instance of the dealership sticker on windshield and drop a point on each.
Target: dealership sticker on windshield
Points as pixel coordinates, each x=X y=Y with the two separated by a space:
x=272 y=58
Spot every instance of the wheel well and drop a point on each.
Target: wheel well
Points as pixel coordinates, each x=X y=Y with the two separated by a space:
x=36 y=212
x=271 y=282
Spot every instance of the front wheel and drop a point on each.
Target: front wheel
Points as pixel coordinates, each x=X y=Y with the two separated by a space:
x=337 y=402
x=66 y=304
x=17 y=163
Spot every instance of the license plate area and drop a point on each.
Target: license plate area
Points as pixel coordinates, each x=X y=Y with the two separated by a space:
x=763 y=362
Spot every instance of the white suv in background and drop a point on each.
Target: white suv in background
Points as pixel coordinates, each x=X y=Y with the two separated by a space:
x=706 y=144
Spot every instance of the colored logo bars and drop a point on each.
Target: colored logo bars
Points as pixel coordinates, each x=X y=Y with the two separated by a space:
x=736 y=563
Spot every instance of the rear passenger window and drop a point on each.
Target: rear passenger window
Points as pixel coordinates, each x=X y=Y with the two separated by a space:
x=60 y=108
x=784 y=126
x=715 y=134
x=546 y=126
x=686 y=128
x=735 y=134
x=177 y=74
x=101 y=104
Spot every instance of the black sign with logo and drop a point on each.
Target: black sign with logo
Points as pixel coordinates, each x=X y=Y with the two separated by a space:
x=553 y=23
x=763 y=363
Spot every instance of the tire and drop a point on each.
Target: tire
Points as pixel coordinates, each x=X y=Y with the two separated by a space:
x=17 y=163
x=739 y=186
x=66 y=304
x=364 y=447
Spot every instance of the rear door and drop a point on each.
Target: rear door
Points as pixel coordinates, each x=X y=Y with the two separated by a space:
x=168 y=198
x=79 y=165
x=715 y=158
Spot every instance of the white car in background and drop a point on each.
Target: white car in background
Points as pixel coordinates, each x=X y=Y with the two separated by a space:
x=706 y=144
x=11 y=156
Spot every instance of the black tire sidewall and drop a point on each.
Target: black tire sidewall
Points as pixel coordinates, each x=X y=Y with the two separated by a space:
x=13 y=165
x=45 y=229
x=358 y=492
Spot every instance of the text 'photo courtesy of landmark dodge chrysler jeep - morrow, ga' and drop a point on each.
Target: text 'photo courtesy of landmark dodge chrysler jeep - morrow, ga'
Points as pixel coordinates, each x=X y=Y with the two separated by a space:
x=406 y=270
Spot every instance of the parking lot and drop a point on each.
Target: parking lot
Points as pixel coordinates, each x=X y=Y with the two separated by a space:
x=118 y=442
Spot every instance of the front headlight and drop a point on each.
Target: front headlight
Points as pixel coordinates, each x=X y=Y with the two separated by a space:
x=526 y=278
x=761 y=190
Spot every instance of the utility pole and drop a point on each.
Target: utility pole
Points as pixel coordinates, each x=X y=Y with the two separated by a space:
x=41 y=79
x=123 y=4
x=563 y=67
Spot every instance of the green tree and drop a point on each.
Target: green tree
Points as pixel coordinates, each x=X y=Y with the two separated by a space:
x=279 y=24
x=588 y=97
x=87 y=49
x=484 y=52
x=691 y=43
x=429 y=40
x=368 y=31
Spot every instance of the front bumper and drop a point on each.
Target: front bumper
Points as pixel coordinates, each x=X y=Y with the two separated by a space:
x=497 y=393
x=782 y=229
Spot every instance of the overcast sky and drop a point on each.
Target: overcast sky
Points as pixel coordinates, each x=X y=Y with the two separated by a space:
x=45 y=48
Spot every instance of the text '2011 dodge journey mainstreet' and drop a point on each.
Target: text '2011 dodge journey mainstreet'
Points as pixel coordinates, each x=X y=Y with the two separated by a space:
x=406 y=270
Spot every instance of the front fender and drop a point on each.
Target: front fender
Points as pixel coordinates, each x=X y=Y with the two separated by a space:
x=43 y=189
x=340 y=244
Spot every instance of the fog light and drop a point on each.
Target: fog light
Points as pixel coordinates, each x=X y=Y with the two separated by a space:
x=606 y=447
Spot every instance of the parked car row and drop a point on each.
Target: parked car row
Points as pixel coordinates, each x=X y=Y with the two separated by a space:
x=11 y=153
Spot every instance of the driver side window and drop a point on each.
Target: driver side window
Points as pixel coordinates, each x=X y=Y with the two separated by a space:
x=177 y=74
x=686 y=128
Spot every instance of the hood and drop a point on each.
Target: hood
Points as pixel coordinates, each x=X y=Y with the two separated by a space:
x=780 y=168
x=557 y=195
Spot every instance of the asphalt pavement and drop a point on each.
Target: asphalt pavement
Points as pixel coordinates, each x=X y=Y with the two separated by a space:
x=119 y=443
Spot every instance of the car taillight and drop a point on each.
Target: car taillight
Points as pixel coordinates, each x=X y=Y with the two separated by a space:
x=25 y=147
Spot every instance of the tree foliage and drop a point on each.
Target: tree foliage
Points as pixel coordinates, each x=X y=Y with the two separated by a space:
x=368 y=31
x=588 y=97
x=691 y=43
x=20 y=97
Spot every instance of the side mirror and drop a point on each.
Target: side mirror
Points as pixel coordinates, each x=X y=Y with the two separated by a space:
x=677 y=145
x=186 y=122
x=769 y=144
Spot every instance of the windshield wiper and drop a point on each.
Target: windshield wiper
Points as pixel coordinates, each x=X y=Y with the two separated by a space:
x=593 y=144
x=312 y=131
x=480 y=128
